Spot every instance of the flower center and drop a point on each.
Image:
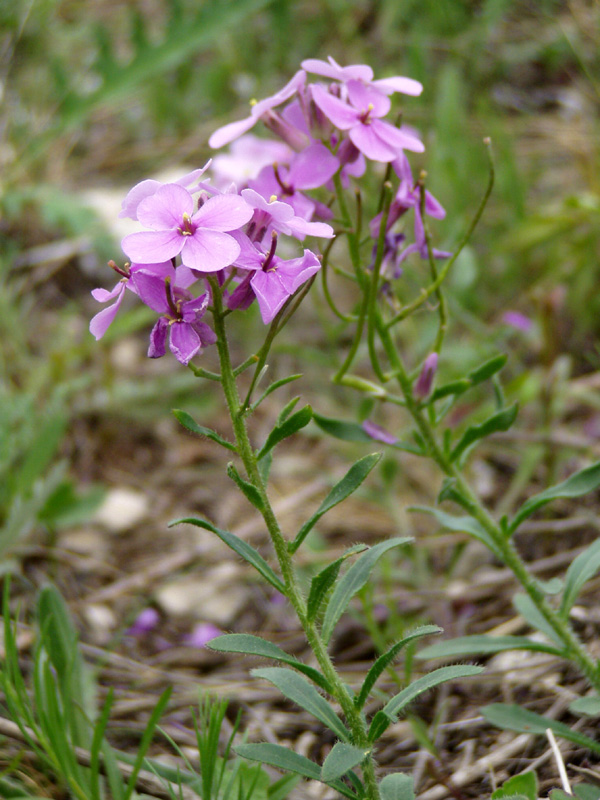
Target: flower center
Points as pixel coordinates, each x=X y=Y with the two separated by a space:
x=365 y=117
x=187 y=228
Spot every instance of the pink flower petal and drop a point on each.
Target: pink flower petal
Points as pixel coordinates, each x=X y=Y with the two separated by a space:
x=342 y=115
x=362 y=97
x=368 y=142
x=270 y=294
x=166 y=207
x=224 y=212
x=358 y=72
x=158 y=338
x=150 y=247
x=184 y=342
x=399 y=84
x=398 y=138
x=99 y=324
x=312 y=168
x=228 y=133
x=209 y=251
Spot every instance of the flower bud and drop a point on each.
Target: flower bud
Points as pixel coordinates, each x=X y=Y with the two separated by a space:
x=425 y=380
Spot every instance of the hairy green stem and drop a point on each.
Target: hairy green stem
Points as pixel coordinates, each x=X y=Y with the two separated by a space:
x=247 y=453
x=573 y=647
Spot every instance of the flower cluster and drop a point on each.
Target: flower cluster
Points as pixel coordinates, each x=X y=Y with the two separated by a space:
x=229 y=226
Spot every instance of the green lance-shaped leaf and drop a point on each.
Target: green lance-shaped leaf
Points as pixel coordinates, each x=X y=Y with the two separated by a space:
x=501 y=421
x=530 y=612
x=457 y=387
x=353 y=581
x=288 y=427
x=242 y=548
x=484 y=645
x=249 y=490
x=255 y=646
x=582 y=482
x=275 y=755
x=389 y=713
x=514 y=718
x=341 y=759
x=191 y=425
x=386 y=659
x=304 y=694
x=339 y=429
x=343 y=489
x=461 y=525
x=324 y=580
x=488 y=369
x=525 y=784
x=274 y=386
x=586 y=706
x=580 y=571
x=397 y=787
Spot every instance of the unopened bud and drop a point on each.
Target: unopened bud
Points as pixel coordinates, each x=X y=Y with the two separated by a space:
x=425 y=379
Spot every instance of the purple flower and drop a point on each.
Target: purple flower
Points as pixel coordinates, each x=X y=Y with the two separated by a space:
x=362 y=73
x=202 y=634
x=273 y=280
x=260 y=109
x=181 y=316
x=517 y=320
x=200 y=237
x=378 y=140
x=145 y=622
x=424 y=382
x=276 y=215
x=101 y=321
x=378 y=433
x=149 y=187
x=246 y=158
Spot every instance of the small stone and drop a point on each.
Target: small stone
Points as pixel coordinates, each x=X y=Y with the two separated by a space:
x=122 y=509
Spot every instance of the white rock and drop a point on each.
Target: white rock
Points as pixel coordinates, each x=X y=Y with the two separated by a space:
x=122 y=509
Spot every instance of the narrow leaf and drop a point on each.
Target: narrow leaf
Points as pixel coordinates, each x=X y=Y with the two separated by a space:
x=453 y=388
x=397 y=787
x=343 y=489
x=242 y=548
x=484 y=645
x=275 y=755
x=188 y=422
x=255 y=646
x=287 y=428
x=530 y=612
x=515 y=718
x=339 y=429
x=579 y=573
x=386 y=659
x=488 y=369
x=461 y=525
x=250 y=492
x=389 y=713
x=324 y=580
x=582 y=482
x=341 y=759
x=501 y=421
x=146 y=741
x=299 y=691
x=274 y=386
x=353 y=581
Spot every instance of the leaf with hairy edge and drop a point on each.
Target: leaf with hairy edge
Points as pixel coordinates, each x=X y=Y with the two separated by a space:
x=324 y=580
x=242 y=548
x=389 y=713
x=484 y=645
x=524 y=785
x=581 y=570
x=255 y=646
x=339 y=429
x=387 y=658
x=501 y=421
x=343 y=489
x=287 y=428
x=531 y=613
x=580 y=483
x=514 y=718
x=588 y=706
x=461 y=525
x=397 y=787
x=191 y=425
x=353 y=581
x=250 y=492
x=341 y=759
x=301 y=692
x=275 y=755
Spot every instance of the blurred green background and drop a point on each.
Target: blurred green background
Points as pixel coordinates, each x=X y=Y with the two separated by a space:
x=98 y=95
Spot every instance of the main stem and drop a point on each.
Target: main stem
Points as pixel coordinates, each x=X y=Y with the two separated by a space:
x=574 y=649
x=247 y=454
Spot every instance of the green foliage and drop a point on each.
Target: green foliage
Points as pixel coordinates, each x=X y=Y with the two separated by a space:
x=397 y=787
x=340 y=760
x=525 y=784
x=484 y=645
x=191 y=425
